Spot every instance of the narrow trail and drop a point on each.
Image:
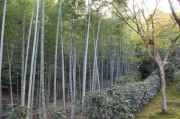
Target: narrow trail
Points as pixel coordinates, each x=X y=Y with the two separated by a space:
x=153 y=109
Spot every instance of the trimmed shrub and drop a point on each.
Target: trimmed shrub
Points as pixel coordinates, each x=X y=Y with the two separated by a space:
x=121 y=101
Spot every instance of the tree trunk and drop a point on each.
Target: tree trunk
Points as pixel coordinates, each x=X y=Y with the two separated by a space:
x=1 y=55
x=63 y=73
x=10 y=55
x=74 y=75
x=70 y=77
x=85 y=57
x=62 y=62
x=79 y=78
x=42 y=62
x=163 y=87
x=22 y=55
x=23 y=86
x=102 y=72
x=32 y=61
x=33 y=79
x=56 y=55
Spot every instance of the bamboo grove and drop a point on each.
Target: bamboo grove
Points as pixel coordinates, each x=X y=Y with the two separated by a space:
x=53 y=52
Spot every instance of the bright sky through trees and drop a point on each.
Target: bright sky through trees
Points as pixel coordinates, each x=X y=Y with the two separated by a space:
x=163 y=4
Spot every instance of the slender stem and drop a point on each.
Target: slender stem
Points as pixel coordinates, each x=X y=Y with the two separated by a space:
x=85 y=57
x=27 y=54
x=32 y=59
x=56 y=55
x=1 y=52
x=42 y=62
x=22 y=62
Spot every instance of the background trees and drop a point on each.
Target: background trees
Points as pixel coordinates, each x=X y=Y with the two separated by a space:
x=61 y=51
x=35 y=20
x=145 y=23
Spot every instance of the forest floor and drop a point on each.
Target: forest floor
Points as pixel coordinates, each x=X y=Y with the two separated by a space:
x=153 y=109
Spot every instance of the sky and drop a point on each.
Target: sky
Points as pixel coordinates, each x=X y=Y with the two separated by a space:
x=163 y=5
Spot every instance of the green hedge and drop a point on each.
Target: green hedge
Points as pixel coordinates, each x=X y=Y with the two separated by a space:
x=121 y=102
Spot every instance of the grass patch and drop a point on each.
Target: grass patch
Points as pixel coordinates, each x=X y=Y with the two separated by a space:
x=153 y=109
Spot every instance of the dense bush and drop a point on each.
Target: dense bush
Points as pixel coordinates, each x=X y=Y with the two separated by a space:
x=146 y=67
x=121 y=101
x=123 y=80
x=19 y=112
x=55 y=113
x=171 y=68
x=176 y=75
x=131 y=77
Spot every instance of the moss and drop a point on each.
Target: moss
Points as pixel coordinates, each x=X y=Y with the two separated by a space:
x=153 y=109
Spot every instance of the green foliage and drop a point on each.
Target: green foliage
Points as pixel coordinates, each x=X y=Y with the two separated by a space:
x=5 y=77
x=125 y=79
x=176 y=75
x=121 y=102
x=172 y=69
x=55 y=113
x=19 y=112
x=169 y=70
x=173 y=72
x=71 y=9
x=132 y=76
x=106 y=105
